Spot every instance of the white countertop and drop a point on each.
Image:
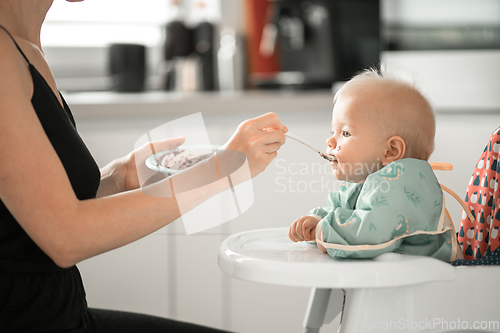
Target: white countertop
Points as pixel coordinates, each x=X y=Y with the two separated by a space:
x=111 y=104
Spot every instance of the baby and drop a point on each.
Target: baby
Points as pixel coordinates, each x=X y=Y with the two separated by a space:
x=389 y=199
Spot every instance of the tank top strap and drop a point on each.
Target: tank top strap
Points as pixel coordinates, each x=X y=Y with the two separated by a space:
x=8 y=33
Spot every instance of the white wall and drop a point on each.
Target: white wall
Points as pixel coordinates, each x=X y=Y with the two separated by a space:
x=454 y=80
x=440 y=12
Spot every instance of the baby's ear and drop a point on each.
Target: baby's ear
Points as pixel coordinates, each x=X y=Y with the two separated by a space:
x=395 y=149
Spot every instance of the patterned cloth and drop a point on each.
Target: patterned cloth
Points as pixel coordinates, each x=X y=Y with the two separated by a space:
x=490 y=258
x=480 y=240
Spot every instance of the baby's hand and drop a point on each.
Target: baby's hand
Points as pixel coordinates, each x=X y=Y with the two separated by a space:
x=303 y=229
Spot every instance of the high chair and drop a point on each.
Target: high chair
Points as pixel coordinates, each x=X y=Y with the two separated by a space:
x=389 y=293
x=402 y=292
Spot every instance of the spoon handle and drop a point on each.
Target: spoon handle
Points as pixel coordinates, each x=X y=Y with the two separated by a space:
x=296 y=138
x=327 y=157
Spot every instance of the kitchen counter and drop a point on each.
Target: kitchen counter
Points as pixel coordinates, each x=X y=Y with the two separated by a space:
x=156 y=103
x=111 y=104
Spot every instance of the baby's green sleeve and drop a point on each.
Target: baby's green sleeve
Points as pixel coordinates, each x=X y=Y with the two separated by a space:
x=346 y=196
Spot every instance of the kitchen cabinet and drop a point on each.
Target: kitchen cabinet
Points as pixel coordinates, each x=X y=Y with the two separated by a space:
x=171 y=274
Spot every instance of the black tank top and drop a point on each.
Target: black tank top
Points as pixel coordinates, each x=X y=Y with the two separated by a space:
x=35 y=294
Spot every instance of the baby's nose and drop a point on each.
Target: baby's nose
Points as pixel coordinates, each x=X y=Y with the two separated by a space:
x=331 y=142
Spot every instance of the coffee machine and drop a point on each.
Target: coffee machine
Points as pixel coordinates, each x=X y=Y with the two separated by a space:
x=319 y=42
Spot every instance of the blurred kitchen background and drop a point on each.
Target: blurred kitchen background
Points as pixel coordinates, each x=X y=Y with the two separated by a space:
x=127 y=66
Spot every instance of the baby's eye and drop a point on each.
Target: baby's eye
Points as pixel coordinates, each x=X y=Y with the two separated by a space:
x=346 y=134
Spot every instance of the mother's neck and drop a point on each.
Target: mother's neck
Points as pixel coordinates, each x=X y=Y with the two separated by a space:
x=24 y=18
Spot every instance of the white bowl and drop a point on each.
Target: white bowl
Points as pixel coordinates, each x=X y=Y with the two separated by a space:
x=189 y=155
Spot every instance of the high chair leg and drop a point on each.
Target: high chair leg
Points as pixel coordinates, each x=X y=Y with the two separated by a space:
x=323 y=306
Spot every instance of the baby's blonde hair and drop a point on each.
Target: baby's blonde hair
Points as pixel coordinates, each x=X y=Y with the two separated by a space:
x=417 y=124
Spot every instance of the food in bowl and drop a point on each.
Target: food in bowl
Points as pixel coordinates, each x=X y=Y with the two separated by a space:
x=181 y=159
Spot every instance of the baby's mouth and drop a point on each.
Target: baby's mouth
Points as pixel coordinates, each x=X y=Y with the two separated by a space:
x=331 y=158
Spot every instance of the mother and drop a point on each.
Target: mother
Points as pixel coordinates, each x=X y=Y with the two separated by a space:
x=57 y=208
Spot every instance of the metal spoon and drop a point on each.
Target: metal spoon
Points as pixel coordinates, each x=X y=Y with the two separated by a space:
x=330 y=158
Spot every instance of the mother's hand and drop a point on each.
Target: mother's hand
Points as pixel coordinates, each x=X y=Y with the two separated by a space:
x=259 y=139
x=122 y=174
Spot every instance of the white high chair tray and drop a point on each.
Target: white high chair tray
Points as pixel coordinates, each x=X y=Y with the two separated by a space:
x=268 y=256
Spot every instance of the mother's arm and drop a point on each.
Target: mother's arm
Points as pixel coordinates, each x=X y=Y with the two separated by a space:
x=258 y=138
x=121 y=174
